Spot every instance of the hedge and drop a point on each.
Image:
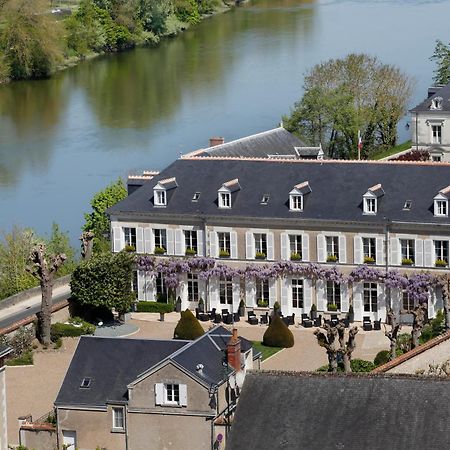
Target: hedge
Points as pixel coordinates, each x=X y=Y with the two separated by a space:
x=154 y=307
x=382 y=357
x=59 y=330
x=278 y=334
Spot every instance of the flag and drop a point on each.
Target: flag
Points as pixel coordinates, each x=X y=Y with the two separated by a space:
x=359 y=144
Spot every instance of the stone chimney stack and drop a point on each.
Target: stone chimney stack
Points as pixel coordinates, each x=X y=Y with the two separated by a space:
x=234 y=351
x=216 y=141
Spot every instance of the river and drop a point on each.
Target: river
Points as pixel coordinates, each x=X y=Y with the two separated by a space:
x=235 y=74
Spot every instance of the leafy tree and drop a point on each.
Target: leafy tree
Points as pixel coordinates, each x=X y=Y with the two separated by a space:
x=342 y=96
x=153 y=15
x=4 y=68
x=188 y=327
x=105 y=281
x=97 y=221
x=59 y=243
x=187 y=11
x=441 y=56
x=29 y=38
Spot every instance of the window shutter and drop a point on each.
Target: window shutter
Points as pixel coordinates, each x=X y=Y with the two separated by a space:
x=213 y=245
x=117 y=239
x=285 y=250
x=285 y=286
x=305 y=247
x=250 y=292
x=236 y=293
x=358 y=300
x=182 y=292
x=170 y=241
x=321 y=248
x=200 y=243
x=344 y=298
x=179 y=242
x=150 y=288
x=307 y=295
x=357 y=244
x=233 y=245
x=381 y=302
x=141 y=285
x=213 y=293
x=249 y=245
x=270 y=247
x=272 y=291
x=321 y=295
x=139 y=240
x=342 y=250
x=159 y=394
x=395 y=252
x=148 y=235
x=183 y=395
x=379 y=245
x=418 y=253
x=428 y=253
x=396 y=300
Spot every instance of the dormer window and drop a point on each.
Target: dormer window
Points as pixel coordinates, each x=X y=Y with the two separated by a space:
x=296 y=196
x=224 y=200
x=441 y=203
x=160 y=191
x=160 y=198
x=224 y=193
x=370 y=199
x=370 y=205
x=436 y=103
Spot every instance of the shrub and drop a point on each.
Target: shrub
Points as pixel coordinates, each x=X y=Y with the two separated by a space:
x=190 y=251
x=295 y=256
x=331 y=258
x=332 y=307
x=382 y=357
x=22 y=341
x=278 y=334
x=407 y=262
x=260 y=255
x=188 y=327
x=440 y=263
x=360 y=365
x=404 y=342
x=154 y=307
x=262 y=303
x=59 y=330
x=434 y=328
x=160 y=250
x=224 y=253
x=369 y=259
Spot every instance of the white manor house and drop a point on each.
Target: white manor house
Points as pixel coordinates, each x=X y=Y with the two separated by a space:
x=241 y=211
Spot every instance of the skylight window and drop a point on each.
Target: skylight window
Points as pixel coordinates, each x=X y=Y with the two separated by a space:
x=265 y=199
x=86 y=383
x=407 y=205
x=196 y=197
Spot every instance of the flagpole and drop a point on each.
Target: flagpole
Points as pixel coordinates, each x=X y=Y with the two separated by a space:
x=359 y=145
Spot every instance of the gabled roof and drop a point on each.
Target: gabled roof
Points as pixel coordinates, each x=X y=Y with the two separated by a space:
x=444 y=93
x=290 y=411
x=338 y=188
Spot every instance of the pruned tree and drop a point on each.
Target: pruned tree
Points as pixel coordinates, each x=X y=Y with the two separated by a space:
x=44 y=268
x=87 y=243
x=444 y=282
x=419 y=320
x=347 y=347
x=330 y=342
x=393 y=320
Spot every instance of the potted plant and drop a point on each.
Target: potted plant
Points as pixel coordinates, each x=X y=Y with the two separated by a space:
x=407 y=262
x=313 y=312
x=276 y=309
x=160 y=250
x=223 y=253
x=369 y=260
x=332 y=307
x=201 y=305
x=440 y=263
x=190 y=251
x=262 y=303
x=241 y=308
x=130 y=248
x=178 y=304
x=351 y=314
x=295 y=256
x=260 y=255
x=332 y=258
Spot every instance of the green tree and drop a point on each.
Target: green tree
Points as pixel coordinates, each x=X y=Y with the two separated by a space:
x=97 y=220
x=59 y=243
x=30 y=39
x=105 y=281
x=342 y=96
x=441 y=57
x=153 y=15
x=4 y=68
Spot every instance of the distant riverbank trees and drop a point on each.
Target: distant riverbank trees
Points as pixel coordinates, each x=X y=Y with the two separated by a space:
x=343 y=96
x=34 y=42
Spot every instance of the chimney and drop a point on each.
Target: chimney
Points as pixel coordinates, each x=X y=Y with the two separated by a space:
x=234 y=351
x=216 y=141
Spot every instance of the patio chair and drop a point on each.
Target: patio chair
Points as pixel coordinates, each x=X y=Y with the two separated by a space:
x=377 y=324
x=225 y=311
x=227 y=319
x=346 y=322
x=367 y=323
x=251 y=318
x=212 y=314
x=264 y=319
x=334 y=319
x=217 y=318
x=318 y=321
x=236 y=317
x=292 y=319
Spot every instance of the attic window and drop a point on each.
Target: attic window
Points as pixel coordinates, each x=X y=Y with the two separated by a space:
x=224 y=200
x=160 y=191
x=296 y=196
x=224 y=193
x=441 y=203
x=86 y=383
x=407 y=205
x=160 y=198
x=196 y=197
x=436 y=103
x=265 y=199
x=370 y=199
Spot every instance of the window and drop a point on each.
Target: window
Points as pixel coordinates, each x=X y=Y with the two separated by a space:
x=260 y=245
x=441 y=208
x=265 y=199
x=196 y=197
x=295 y=247
x=296 y=202
x=160 y=198
x=226 y=291
x=436 y=134
x=297 y=293
x=369 y=249
x=407 y=251
x=407 y=302
x=436 y=158
x=262 y=291
x=190 y=241
x=441 y=250
x=333 y=294
x=160 y=240
x=370 y=205
x=332 y=248
x=224 y=200
x=118 y=418
x=192 y=287
x=370 y=297
x=161 y=288
x=130 y=237
x=407 y=205
x=224 y=244
x=86 y=383
x=172 y=394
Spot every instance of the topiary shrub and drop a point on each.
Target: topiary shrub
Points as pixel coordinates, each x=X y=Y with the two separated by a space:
x=188 y=327
x=59 y=330
x=382 y=357
x=278 y=334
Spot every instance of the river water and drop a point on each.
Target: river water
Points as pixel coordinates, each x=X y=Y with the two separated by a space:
x=235 y=74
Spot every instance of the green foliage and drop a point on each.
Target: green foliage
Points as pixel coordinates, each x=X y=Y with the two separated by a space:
x=266 y=352
x=105 y=281
x=278 y=334
x=154 y=307
x=262 y=303
x=187 y=11
x=188 y=327
x=332 y=307
x=382 y=357
x=434 y=328
x=4 y=68
x=59 y=243
x=441 y=57
x=391 y=151
x=97 y=221
x=357 y=366
x=153 y=15
x=24 y=360
x=20 y=342
x=404 y=342
x=59 y=330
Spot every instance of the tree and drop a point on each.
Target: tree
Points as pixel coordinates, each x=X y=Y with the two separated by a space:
x=29 y=39
x=188 y=327
x=97 y=221
x=342 y=96
x=444 y=282
x=87 y=243
x=392 y=334
x=105 y=281
x=441 y=56
x=347 y=347
x=330 y=342
x=44 y=269
x=419 y=319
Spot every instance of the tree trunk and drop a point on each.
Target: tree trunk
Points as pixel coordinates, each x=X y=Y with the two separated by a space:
x=347 y=361
x=419 y=313
x=393 y=321
x=332 y=361
x=87 y=243
x=446 y=300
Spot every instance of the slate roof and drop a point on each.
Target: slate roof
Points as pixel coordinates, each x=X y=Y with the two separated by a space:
x=337 y=190
x=272 y=142
x=114 y=363
x=292 y=411
x=4 y=350
x=444 y=93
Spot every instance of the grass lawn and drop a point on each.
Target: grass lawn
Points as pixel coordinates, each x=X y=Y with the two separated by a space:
x=25 y=360
x=266 y=352
x=392 y=151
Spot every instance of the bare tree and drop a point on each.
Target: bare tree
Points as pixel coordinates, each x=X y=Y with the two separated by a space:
x=392 y=334
x=87 y=243
x=347 y=347
x=330 y=341
x=419 y=319
x=444 y=282
x=44 y=269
